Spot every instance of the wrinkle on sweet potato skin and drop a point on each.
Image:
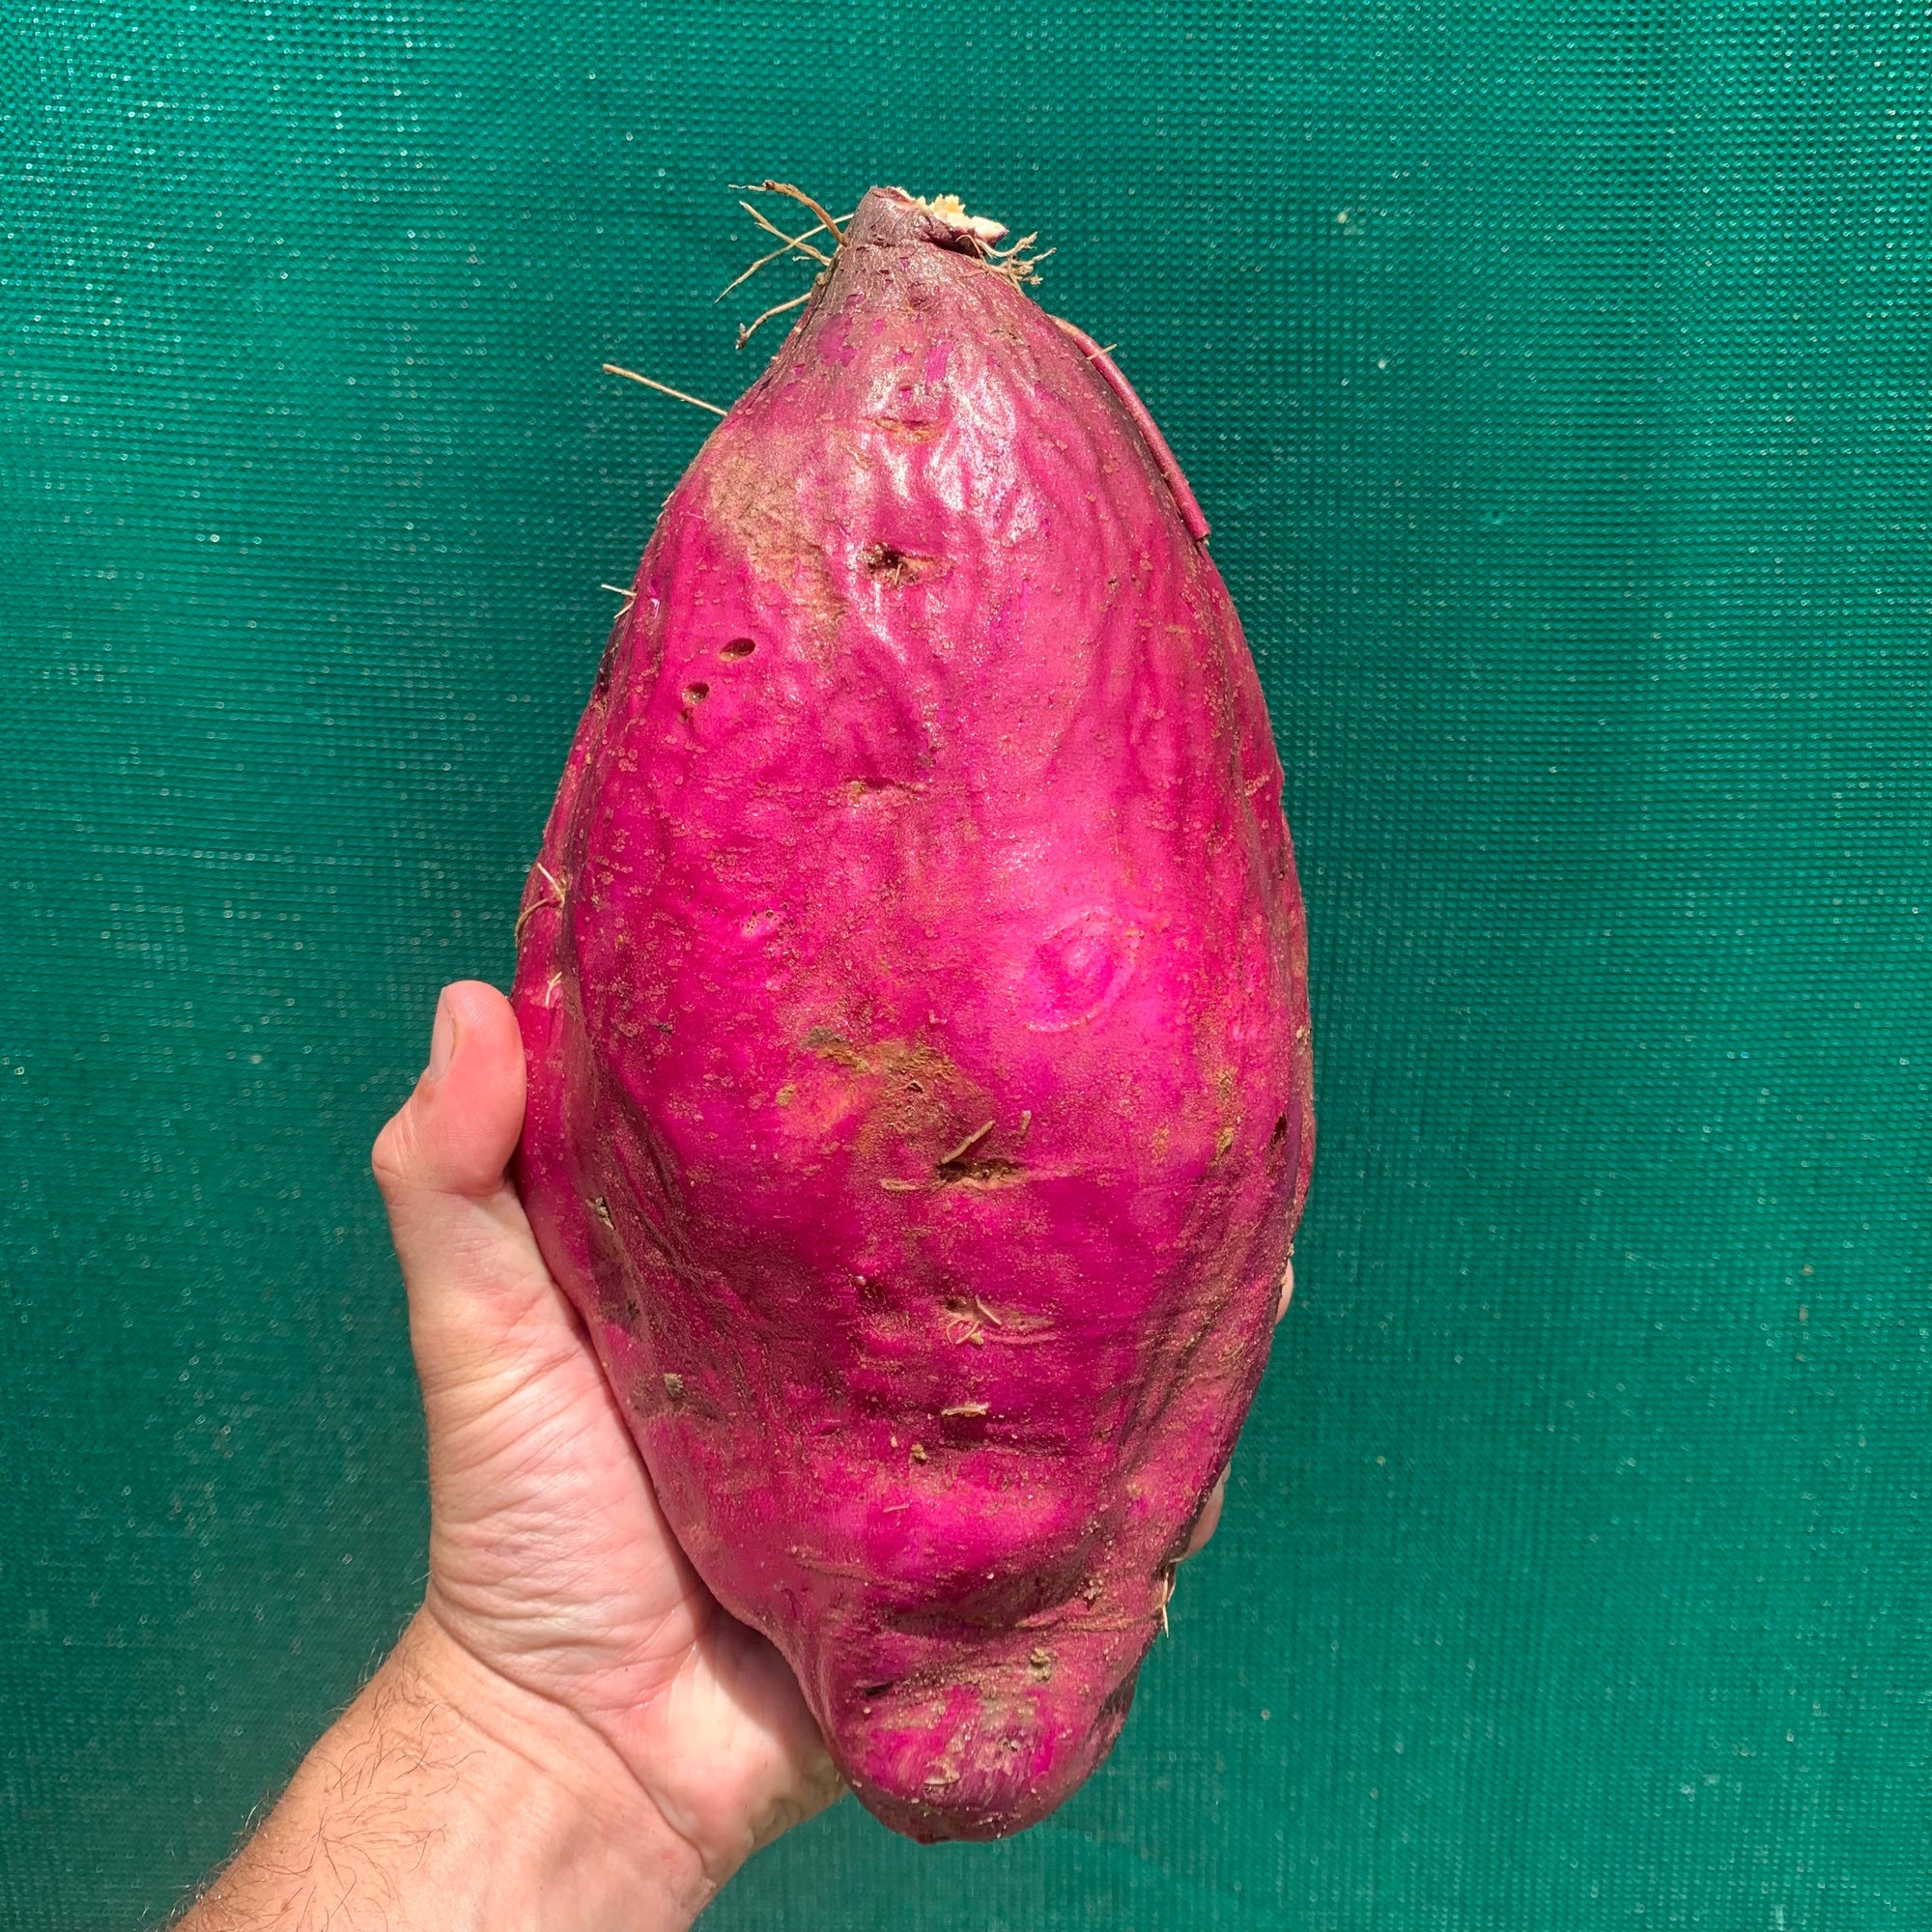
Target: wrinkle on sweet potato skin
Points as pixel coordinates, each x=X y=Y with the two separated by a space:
x=913 y=982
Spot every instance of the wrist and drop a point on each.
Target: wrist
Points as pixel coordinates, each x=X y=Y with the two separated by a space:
x=586 y=1827
x=447 y=1798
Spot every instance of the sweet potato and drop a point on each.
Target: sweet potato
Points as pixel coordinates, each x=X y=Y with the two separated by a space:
x=914 y=992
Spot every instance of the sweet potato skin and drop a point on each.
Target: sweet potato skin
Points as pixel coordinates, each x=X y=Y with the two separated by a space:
x=913 y=984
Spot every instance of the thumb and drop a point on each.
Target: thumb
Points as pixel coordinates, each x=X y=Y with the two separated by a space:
x=478 y=1289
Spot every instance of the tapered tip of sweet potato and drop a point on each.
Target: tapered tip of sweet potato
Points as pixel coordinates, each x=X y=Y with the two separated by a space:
x=985 y=1755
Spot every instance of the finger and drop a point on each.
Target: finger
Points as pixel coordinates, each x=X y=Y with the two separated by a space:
x=469 y=1261
x=1209 y=1519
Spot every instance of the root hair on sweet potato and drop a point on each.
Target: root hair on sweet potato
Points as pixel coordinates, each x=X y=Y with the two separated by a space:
x=748 y=329
x=555 y=903
x=662 y=388
x=792 y=243
x=769 y=187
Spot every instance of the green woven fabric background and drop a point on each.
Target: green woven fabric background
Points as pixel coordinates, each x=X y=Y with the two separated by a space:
x=1558 y=380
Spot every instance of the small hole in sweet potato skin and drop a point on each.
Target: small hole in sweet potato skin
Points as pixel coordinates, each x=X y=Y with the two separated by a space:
x=738 y=648
x=697 y=694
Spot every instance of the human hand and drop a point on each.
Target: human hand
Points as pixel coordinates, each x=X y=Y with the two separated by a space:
x=571 y=1736
x=551 y=1566
x=572 y=1732
x=550 y=1562
x=1209 y=1519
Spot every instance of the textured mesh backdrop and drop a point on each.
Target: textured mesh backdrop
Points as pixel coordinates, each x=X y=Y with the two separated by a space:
x=1556 y=379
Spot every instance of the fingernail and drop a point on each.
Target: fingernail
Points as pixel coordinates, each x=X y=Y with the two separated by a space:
x=442 y=1041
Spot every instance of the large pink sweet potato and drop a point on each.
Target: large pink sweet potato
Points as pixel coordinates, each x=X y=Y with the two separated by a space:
x=913 y=984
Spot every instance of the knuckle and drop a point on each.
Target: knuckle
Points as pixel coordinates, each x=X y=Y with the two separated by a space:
x=391 y=1158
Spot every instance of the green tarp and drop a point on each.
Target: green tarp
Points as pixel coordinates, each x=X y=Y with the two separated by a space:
x=1558 y=380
